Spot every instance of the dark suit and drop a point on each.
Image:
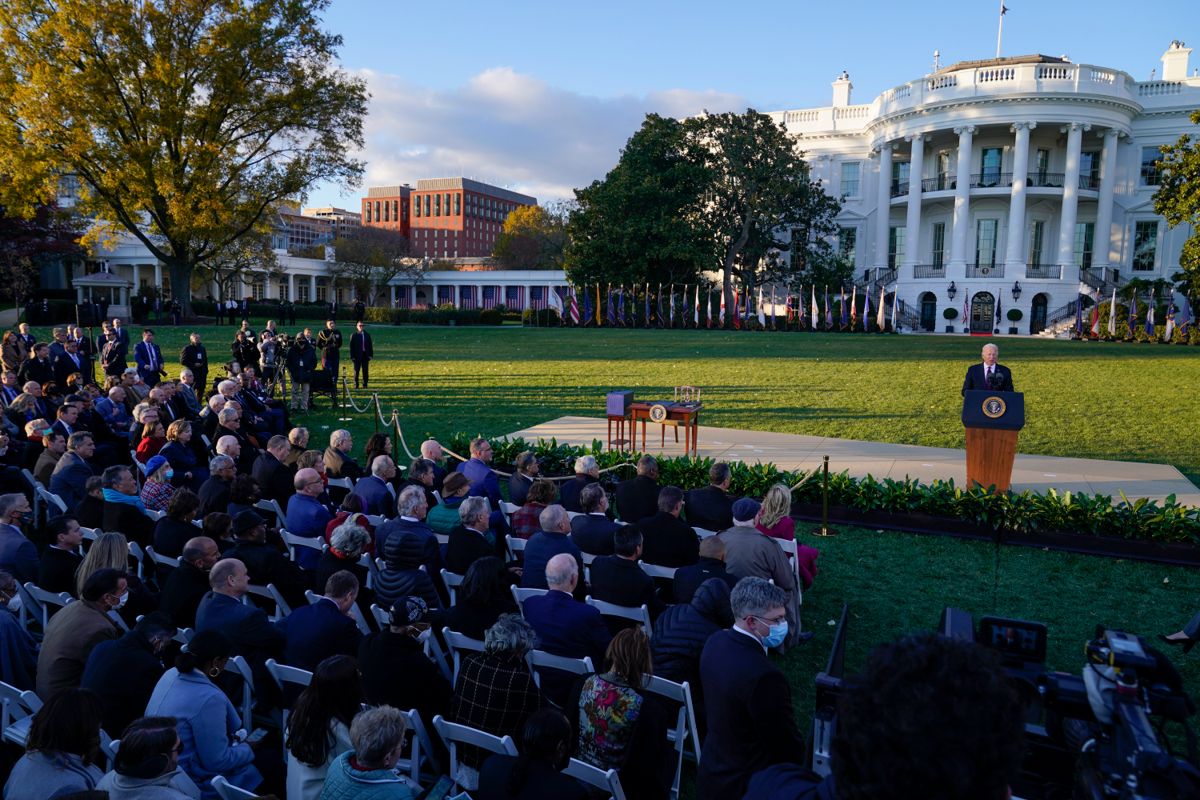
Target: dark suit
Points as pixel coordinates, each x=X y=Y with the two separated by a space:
x=128 y=520
x=566 y=627
x=250 y=632
x=637 y=498
x=265 y=564
x=316 y=632
x=56 y=572
x=518 y=488
x=35 y=370
x=568 y=492
x=465 y=548
x=621 y=581
x=709 y=508
x=376 y=497
x=69 y=476
x=593 y=533
x=214 y=496
x=750 y=720
x=688 y=579
x=114 y=357
x=275 y=480
x=668 y=541
x=64 y=366
x=122 y=672
x=195 y=358
x=361 y=353
x=184 y=589
x=976 y=379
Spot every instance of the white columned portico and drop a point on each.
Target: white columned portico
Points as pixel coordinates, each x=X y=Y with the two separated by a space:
x=1070 y=200
x=884 y=206
x=1102 y=247
x=962 y=202
x=1016 y=208
x=312 y=288
x=912 y=235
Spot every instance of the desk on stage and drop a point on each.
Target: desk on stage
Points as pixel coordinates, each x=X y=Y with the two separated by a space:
x=667 y=413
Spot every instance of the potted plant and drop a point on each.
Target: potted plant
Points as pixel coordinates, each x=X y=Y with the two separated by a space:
x=1014 y=316
x=950 y=314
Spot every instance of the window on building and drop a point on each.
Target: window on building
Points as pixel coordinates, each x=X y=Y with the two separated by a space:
x=943 y=171
x=427 y=202
x=387 y=212
x=1041 y=163
x=396 y=210
x=257 y=290
x=896 y=236
x=322 y=291
x=367 y=212
x=985 y=242
x=797 y=252
x=1145 y=245
x=457 y=204
x=848 y=243
x=990 y=162
x=1085 y=232
x=899 y=174
x=850 y=171
x=283 y=290
x=1089 y=169
x=939 y=244
x=417 y=207
x=437 y=205
x=1037 y=234
x=302 y=294
x=1150 y=165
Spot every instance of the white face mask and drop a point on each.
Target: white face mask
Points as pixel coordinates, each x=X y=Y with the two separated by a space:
x=122 y=599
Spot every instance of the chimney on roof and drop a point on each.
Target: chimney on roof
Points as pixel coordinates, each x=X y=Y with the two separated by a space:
x=1175 y=62
x=841 y=90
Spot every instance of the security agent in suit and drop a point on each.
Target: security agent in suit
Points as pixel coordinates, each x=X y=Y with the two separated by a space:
x=592 y=531
x=751 y=725
x=989 y=376
x=362 y=350
x=195 y=358
x=329 y=342
x=637 y=498
x=149 y=360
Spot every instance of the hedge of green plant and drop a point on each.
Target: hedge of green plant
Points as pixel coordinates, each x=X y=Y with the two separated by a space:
x=1024 y=512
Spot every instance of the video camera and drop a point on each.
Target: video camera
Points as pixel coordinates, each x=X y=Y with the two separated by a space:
x=1093 y=736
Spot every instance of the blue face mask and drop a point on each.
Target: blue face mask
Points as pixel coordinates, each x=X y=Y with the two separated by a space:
x=776 y=634
x=170 y=474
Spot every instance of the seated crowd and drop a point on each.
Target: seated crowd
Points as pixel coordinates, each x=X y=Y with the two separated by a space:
x=234 y=612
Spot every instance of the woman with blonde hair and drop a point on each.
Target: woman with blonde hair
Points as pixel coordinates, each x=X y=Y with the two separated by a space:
x=775 y=520
x=186 y=453
x=157 y=489
x=111 y=551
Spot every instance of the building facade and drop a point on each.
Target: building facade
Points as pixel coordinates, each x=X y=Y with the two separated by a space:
x=1027 y=180
x=445 y=217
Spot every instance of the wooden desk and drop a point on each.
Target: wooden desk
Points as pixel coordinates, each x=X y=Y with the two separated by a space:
x=678 y=414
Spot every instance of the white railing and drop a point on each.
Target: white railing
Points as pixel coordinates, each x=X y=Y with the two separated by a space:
x=1055 y=73
x=801 y=116
x=852 y=112
x=943 y=82
x=1157 y=88
x=996 y=74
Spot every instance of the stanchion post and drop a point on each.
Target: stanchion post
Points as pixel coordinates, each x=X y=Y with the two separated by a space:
x=825 y=530
x=375 y=417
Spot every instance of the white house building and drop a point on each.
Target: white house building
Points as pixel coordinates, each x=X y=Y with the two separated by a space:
x=1029 y=179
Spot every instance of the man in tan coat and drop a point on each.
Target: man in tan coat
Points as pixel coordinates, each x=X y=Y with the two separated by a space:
x=750 y=553
x=76 y=629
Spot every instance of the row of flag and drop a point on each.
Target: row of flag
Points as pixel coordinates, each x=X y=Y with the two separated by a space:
x=605 y=305
x=1175 y=318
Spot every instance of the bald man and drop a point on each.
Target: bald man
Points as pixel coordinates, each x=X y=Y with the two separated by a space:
x=306 y=516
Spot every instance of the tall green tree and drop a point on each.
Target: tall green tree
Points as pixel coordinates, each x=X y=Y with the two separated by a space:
x=534 y=237
x=643 y=222
x=1178 y=199
x=186 y=121
x=367 y=258
x=29 y=243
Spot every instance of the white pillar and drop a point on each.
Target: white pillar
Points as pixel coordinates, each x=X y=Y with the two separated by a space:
x=312 y=288
x=883 y=204
x=137 y=274
x=962 y=202
x=392 y=288
x=1070 y=200
x=291 y=284
x=1102 y=247
x=912 y=235
x=1016 y=207
x=158 y=280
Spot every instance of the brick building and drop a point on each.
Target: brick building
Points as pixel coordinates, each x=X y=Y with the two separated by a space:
x=387 y=207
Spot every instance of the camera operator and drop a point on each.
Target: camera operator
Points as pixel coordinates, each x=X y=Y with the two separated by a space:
x=930 y=717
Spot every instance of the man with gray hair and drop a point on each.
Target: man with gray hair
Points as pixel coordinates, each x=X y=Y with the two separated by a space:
x=637 y=498
x=749 y=553
x=484 y=482
x=432 y=450
x=550 y=541
x=565 y=626
x=377 y=735
x=592 y=531
x=338 y=463
x=375 y=489
x=988 y=376
x=73 y=468
x=412 y=508
x=274 y=478
x=586 y=471
x=472 y=540
x=751 y=724
x=214 y=492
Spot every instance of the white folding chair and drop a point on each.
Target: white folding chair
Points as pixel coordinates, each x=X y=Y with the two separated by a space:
x=608 y=781
x=574 y=514
x=269 y=592
x=90 y=534
x=54 y=503
x=516 y=545
x=293 y=541
x=655 y=571
x=452 y=580
x=17 y=708
x=684 y=731
x=790 y=550
x=341 y=483
x=382 y=616
x=282 y=674
x=46 y=601
x=227 y=791
x=457 y=643
x=540 y=659
x=587 y=558
x=109 y=747
x=184 y=635
x=154 y=514
x=160 y=559
x=375 y=520
x=703 y=533
x=380 y=564
x=420 y=750
x=141 y=468
x=138 y=555
x=521 y=595
x=455 y=735
x=355 y=612
x=639 y=614
x=238 y=666
x=273 y=507
x=509 y=508
x=365 y=560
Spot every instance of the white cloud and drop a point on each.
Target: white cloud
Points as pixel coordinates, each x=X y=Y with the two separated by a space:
x=509 y=129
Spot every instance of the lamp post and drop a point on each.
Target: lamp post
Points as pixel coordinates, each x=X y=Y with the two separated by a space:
x=951 y=290
x=1016 y=290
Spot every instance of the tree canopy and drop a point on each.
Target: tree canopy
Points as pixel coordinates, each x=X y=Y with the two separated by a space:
x=534 y=237
x=186 y=121
x=1178 y=199
x=368 y=258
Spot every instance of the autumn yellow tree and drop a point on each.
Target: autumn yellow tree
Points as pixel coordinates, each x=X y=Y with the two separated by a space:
x=533 y=237
x=186 y=121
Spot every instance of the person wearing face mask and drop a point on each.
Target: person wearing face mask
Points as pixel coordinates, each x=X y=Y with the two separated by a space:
x=123 y=672
x=75 y=630
x=749 y=703
x=18 y=650
x=18 y=555
x=157 y=490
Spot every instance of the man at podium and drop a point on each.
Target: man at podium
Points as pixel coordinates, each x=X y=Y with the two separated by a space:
x=988 y=376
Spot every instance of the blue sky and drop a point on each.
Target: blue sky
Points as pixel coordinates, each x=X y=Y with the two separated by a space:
x=540 y=96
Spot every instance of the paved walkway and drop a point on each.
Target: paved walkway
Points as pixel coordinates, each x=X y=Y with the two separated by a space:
x=792 y=451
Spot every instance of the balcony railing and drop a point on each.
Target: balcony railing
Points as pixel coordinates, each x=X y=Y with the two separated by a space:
x=1050 y=272
x=991 y=180
x=1101 y=279
x=942 y=183
x=985 y=270
x=1089 y=182
x=899 y=188
x=922 y=271
x=1046 y=180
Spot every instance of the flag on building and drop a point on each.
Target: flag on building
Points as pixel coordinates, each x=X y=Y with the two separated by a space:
x=966 y=312
x=996 y=314
x=1150 y=316
x=1112 y=315
x=881 y=314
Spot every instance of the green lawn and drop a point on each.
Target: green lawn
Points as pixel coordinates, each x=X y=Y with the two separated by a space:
x=1119 y=401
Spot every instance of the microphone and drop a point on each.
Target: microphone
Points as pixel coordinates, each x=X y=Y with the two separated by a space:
x=995 y=381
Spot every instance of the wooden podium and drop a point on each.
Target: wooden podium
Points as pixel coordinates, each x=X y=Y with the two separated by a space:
x=992 y=421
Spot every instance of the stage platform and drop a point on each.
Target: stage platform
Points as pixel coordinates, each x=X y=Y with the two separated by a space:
x=791 y=451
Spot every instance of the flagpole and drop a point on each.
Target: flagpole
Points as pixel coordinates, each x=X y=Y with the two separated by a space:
x=1000 y=29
